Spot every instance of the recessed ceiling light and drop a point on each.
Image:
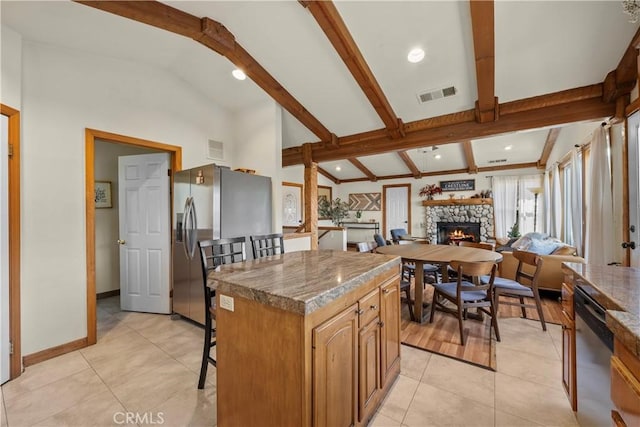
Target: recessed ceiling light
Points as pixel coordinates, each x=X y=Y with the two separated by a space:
x=415 y=55
x=437 y=156
x=239 y=74
x=508 y=147
x=338 y=168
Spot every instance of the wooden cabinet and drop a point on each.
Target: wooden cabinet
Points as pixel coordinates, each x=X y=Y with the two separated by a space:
x=625 y=385
x=569 y=342
x=331 y=367
x=335 y=370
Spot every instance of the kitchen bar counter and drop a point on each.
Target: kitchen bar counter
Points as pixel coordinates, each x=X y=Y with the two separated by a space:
x=308 y=338
x=301 y=282
x=618 y=290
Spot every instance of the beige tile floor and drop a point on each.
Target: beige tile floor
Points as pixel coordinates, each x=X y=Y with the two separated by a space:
x=148 y=365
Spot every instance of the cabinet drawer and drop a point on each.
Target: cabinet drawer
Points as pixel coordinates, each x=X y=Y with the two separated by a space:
x=369 y=307
x=567 y=300
x=625 y=392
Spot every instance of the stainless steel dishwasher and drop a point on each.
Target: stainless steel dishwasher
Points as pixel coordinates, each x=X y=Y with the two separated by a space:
x=594 y=346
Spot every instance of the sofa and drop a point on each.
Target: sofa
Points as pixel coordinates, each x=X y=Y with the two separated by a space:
x=551 y=275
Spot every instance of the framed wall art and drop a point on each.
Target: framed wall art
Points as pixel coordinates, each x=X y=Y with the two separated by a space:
x=102 y=191
x=292 y=196
x=324 y=192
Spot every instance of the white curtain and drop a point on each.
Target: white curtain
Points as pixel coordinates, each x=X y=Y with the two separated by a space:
x=599 y=238
x=527 y=203
x=555 y=207
x=576 y=200
x=505 y=201
x=546 y=196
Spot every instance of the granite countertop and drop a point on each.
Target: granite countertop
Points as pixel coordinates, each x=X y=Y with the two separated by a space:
x=300 y=282
x=618 y=290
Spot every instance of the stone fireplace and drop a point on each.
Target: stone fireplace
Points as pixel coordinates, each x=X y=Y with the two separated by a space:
x=475 y=214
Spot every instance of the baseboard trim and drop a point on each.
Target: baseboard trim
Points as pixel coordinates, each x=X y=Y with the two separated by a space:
x=50 y=353
x=108 y=294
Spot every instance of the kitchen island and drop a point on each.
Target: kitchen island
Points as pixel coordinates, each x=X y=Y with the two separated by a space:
x=308 y=338
x=617 y=289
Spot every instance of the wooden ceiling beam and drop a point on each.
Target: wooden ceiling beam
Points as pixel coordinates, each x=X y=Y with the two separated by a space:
x=410 y=164
x=547 y=110
x=552 y=137
x=216 y=37
x=355 y=162
x=449 y=172
x=468 y=155
x=331 y=23
x=482 y=23
x=621 y=81
x=328 y=176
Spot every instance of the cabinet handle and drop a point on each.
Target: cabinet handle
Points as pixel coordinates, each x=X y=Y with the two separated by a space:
x=381 y=323
x=359 y=311
x=374 y=307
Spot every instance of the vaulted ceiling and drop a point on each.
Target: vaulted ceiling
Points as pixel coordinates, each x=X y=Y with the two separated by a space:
x=341 y=74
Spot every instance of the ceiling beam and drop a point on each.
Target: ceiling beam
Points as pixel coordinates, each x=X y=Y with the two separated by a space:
x=546 y=110
x=482 y=23
x=331 y=23
x=622 y=80
x=468 y=155
x=216 y=37
x=410 y=164
x=355 y=162
x=449 y=172
x=328 y=175
x=552 y=137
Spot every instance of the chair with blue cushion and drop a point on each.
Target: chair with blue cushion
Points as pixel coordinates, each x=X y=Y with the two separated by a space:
x=405 y=284
x=465 y=295
x=397 y=234
x=409 y=269
x=379 y=240
x=524 y=286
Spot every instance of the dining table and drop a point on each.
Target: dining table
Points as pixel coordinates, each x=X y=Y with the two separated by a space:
x=441 y=255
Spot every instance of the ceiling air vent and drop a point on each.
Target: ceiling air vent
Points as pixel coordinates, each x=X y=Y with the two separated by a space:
x=215 y=150
x=497 y=161
x=434 y=94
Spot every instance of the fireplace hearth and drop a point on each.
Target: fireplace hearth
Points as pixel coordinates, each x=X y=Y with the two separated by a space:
x=454 y=232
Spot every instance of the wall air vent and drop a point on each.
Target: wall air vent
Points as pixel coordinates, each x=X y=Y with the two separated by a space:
x=497 y=161
x=434 y=94
x=215 y=150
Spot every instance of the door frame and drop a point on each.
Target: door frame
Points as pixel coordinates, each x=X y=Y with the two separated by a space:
x=15 y=359
x=384 y=206
x=90 y=138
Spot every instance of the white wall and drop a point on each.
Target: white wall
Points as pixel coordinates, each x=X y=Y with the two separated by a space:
x=11 y=60
x=64 y=92
x=106 y=220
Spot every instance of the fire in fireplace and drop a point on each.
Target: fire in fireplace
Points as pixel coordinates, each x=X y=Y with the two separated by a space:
x=453 y=232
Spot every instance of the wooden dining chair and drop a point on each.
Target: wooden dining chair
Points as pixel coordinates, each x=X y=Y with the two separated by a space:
x=524 y=286
x=465 y=295
x=478 y=245
x=214 y=253
x=267 y=244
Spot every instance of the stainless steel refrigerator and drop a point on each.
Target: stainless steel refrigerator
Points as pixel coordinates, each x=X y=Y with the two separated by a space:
x=212 y=202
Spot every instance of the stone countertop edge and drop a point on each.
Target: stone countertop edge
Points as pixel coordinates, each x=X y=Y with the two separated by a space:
x=310 y=305
x=624 y=325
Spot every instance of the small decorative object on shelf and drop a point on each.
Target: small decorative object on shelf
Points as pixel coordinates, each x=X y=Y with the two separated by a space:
x=358 y=215
x=452 y=196
x=429 y=190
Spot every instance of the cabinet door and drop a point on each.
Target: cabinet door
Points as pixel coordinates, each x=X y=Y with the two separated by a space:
x=335 y=370
x=369 y=381
x=390 y=316
x=569 y=359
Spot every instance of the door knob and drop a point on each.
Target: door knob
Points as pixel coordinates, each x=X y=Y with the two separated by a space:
x=631 y=245
x=122 y=242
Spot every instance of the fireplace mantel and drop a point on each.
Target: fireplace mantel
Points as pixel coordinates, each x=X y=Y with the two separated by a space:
x=452 y=202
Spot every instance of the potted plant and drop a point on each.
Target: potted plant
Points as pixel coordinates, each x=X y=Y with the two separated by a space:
x=429 y=190
x=358 y=215
x=336 y=210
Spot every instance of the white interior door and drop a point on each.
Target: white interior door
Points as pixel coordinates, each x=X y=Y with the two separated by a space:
x=634 y=187
x=4 y=252
x=145 y=256
x=396 y=205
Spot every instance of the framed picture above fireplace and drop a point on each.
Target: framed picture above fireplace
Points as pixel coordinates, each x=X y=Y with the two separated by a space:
x=458 y=185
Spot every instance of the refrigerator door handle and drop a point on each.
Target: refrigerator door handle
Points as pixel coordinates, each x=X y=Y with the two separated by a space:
x=185 y=228
x=194 y=227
